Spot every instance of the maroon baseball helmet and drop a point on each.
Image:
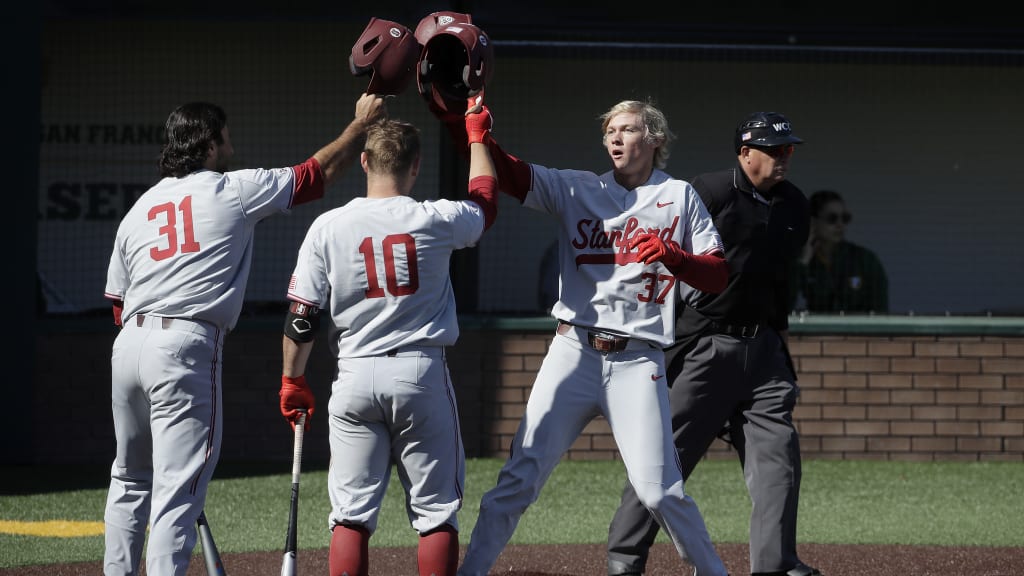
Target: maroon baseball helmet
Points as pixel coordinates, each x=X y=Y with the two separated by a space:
x=431 y=23
x=386 y=51
x=456 y=62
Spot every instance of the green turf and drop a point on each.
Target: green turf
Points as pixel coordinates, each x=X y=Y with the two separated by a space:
x=926 y=503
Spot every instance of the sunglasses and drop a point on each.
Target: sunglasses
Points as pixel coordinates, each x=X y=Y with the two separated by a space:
x=776 y=151
x=835 y=217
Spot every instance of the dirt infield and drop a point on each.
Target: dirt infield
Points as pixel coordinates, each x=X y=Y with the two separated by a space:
x=588 y=560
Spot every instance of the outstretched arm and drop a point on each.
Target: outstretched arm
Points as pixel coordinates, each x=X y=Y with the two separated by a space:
x=341 y=152
x=514 y=175
x=327 y=164
x=482 y=176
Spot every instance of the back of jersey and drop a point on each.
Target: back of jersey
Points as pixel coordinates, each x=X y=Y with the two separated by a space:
x=380 y=267
x=184 y=249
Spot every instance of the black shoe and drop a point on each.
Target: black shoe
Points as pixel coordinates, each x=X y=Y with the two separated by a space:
x=803 y=570
x=620 y=568
x=799 y=570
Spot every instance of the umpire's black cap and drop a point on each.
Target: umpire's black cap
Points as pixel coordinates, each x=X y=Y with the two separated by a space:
x=764 y=129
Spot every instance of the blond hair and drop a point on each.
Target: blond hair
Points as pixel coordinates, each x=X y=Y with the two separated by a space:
x=391 y=147
x=656 y=129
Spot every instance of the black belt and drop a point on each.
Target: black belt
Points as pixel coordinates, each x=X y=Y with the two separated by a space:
x=600 y=341
x=423 y=348
x=738 y=330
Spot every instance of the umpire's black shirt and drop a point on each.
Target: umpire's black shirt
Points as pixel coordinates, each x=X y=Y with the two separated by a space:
x=763 y=232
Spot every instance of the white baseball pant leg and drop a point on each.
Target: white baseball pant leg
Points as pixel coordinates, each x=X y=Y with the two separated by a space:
x=565 y=397
x=397 y=408
x=635 y=396
x=166 y=401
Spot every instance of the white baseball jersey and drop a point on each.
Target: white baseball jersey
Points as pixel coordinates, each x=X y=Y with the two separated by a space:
x=602 y=285
x=380 y=268
x=185 y=248
x=180 y=263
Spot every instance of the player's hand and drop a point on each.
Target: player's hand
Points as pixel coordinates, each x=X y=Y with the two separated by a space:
x=296 y=395
x=651 y=248
x=370 y=108
x=478 y=120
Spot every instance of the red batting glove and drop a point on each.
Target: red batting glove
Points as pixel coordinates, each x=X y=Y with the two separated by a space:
x=296 y=395
x=478 y=121
x=651 y=248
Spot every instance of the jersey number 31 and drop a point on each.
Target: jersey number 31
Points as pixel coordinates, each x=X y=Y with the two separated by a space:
x=169 y=229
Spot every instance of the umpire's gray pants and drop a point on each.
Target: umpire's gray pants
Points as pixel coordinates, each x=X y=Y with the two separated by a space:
x=749 y=385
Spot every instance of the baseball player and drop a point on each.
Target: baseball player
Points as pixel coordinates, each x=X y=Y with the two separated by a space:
x=379 y=267
x=628 y=239
x=730 y=365
x=177 y=279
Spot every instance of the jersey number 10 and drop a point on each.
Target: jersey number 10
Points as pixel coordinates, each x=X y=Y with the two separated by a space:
x=374 y=290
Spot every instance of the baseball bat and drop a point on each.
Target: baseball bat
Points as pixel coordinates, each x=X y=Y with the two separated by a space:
x=214 y=566
x=291 y=543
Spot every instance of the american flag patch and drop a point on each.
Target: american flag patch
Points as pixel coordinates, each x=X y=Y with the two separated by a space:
x=291 y=283
x=745 y=136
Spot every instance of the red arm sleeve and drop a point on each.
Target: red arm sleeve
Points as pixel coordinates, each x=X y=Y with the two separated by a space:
x=309 y=182
x=707 y=272
x=513 y=174
x=118 y=309
x=481 y=191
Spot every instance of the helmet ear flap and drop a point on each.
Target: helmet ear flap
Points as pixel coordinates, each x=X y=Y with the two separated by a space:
x=356 y=69
x=476 y=74
x=386 y=51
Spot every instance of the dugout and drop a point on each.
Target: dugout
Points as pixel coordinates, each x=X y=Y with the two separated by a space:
x=914 y=121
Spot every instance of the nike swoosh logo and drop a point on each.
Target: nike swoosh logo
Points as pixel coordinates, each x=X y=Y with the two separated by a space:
x=655 y=377
x=663 y=204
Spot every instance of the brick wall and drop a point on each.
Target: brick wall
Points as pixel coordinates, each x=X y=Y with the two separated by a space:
x=911 y=397
x=882 y=397
x=863 y=397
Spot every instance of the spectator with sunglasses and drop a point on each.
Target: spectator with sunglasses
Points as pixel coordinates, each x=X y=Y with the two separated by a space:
x=729 y=370
x=835 y=275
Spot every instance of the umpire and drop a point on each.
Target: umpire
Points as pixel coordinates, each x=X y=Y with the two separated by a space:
x=730 y=370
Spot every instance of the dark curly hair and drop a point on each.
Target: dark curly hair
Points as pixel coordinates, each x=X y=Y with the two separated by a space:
x=190 y=128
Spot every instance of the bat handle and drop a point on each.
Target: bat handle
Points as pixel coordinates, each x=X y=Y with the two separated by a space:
x=300 y=428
